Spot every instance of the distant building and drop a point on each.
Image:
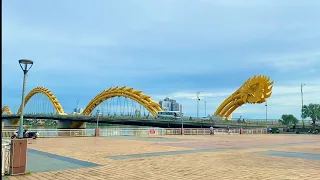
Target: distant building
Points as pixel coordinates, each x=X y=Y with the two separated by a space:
x=77 y=110
x=170 y=105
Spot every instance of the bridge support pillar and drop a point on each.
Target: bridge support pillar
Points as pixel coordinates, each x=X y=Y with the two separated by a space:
x=97 y=132
x=71 y=125
x=9 y=123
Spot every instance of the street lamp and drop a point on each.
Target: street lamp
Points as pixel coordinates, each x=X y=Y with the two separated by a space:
x=266 y=111
x=302 y=96
x=198 y=99
x=205 y=108
x=302 y=84
x=98 y=112
x=182 y=131
x=24 y=66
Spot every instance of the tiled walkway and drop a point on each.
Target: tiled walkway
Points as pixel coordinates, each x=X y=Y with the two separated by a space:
x=176 y=157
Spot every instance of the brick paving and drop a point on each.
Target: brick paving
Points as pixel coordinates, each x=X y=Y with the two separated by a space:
x=238 y=157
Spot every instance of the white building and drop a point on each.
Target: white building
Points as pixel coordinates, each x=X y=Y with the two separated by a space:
x=170 y=105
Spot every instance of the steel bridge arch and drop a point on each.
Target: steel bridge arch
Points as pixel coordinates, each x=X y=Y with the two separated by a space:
x=52 y=98
x=130 y=93
x=6 y=109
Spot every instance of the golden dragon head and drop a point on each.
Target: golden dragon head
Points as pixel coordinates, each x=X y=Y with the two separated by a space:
x=256 y=89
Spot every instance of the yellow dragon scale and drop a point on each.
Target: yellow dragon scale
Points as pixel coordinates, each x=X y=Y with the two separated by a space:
x=254 y=91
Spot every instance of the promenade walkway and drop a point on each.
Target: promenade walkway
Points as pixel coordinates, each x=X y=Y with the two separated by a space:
x=267 y=156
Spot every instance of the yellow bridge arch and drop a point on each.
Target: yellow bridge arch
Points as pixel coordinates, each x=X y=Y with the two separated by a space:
x=6 y=109
x=52 y=98
x=136 y=95
x=254 y=91
x=42 y=90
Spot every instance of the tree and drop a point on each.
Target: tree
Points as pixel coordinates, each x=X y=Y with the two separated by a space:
x=288 y=120
x=311 y=111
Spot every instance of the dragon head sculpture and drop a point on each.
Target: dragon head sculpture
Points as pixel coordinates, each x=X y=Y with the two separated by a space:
x=255 y=90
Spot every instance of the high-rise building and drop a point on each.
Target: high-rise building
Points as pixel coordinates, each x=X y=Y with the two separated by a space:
x=170 y=105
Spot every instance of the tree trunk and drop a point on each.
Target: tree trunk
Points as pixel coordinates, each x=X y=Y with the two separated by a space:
x=313 y=124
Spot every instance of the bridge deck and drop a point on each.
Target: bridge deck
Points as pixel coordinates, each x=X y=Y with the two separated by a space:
x=176 y=157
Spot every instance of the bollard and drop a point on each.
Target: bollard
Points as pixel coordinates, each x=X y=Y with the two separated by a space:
x=97 y=132
x=240 y=130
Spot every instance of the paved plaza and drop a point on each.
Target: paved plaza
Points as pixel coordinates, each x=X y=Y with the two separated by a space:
x=268 y=156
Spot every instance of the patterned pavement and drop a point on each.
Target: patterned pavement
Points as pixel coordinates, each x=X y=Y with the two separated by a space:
x=272 y=156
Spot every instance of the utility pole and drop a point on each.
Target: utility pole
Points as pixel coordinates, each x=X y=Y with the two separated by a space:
x=198 y=99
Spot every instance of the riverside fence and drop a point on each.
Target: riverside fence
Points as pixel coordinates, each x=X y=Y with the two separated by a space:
x=45 y=133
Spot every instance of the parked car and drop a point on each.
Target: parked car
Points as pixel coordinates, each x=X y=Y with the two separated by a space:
x=26 y=134
x=275 y=130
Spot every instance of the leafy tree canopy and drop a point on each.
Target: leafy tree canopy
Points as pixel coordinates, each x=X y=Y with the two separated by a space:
x=288 y=120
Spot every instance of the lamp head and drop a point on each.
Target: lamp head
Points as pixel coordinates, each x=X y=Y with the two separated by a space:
x=25 y=63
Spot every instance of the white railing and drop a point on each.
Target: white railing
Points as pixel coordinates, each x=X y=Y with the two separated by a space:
x=200 y=131
x=254 y=131
x=7 y=133
x=43 y=133
x=133 y=132
x=6 y=145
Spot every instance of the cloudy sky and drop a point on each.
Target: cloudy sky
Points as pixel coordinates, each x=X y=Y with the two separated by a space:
x=166 y=48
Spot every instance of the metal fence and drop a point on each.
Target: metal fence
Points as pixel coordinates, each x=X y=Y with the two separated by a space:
x=6 y=145
x=44 y=133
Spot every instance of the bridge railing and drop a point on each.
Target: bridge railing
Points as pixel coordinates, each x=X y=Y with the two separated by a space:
x=247 y=122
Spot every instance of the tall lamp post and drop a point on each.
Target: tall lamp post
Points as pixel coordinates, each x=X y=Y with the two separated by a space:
x=98 y=112
x=266 y=111
x=182 y=131
x=198 y=99
x=24 y=63
x=302 y=84
x=302 y=96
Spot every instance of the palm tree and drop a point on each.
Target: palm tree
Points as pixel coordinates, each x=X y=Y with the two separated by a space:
x=312 y=111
